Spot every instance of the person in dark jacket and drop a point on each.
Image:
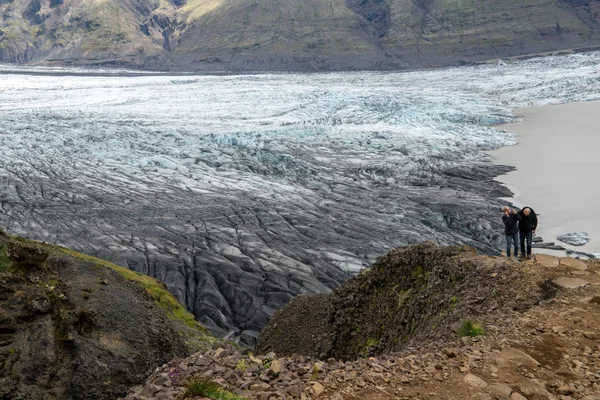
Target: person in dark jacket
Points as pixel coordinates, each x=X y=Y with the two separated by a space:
x=511 y=229
x=527 y=227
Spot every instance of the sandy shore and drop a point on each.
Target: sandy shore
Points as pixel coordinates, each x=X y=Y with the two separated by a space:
x=558 y=168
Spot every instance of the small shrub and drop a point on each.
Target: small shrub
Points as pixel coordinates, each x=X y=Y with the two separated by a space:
x=453 y=302
x=471 y=329
x=267 y=362
x=241 y=366
x=206 y=388
x=418 y=271
x=315 y=373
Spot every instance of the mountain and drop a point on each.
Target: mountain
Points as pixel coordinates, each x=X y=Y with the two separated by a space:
x=234 y=35
x=76 y=327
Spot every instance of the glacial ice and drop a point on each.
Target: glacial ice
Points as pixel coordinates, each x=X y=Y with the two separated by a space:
x=575 y=238
x=242 y=191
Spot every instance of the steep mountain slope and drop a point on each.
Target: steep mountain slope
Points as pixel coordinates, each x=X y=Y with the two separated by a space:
x=290 y=35
x=76 y=327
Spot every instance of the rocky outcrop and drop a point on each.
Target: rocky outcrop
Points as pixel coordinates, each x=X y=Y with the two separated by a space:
x=417 y=294
x=547 y=352
x=74 y=327
x=297 y=35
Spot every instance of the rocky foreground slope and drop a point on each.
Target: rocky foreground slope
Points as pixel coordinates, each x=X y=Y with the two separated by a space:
x=292 y=35
x=75 y=327
x=537 y=338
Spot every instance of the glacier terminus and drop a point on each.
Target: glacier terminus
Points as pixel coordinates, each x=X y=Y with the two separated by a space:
x=243 y=191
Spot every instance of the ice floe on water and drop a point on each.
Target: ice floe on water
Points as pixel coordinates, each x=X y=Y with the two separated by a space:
x=575 y=238
x=242 y=191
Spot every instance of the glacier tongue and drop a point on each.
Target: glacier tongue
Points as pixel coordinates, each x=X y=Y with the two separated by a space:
x=242 y=191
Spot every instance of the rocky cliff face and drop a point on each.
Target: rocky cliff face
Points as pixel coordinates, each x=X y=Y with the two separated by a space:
x=75 y=327
x=292 y=35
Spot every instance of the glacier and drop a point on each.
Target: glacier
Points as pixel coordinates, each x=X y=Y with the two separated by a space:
x=242 y=191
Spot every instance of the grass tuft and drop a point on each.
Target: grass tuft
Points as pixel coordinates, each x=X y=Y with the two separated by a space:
x=471 y=329
x=209 y=389
x=156 y=289
x=5 y=263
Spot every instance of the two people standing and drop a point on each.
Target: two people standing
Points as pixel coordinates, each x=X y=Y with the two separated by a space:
x=519 y=228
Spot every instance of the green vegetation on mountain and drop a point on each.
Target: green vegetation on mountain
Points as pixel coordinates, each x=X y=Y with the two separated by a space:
x=290 y=35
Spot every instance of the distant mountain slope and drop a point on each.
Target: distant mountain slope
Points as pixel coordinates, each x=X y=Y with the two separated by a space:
x=291 y=34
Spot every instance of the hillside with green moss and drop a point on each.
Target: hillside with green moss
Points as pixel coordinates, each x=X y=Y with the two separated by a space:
x=205 y=35
x=73 y=326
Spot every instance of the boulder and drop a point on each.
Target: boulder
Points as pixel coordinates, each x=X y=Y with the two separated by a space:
x=276 y=367
x=318 y=389
x=511 y=357
x=501 y=390
x=546 y=260
x=474 y=381
x=570 y=283
x=574 y=263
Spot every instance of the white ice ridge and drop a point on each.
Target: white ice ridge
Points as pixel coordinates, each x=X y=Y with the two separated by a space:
x=263 y=186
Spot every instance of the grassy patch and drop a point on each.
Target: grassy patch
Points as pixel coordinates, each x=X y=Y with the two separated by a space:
x=418 y=271
x=209 y=389
x=5 y=263
x=471 y=329
x=368 y=345
x=155 y=289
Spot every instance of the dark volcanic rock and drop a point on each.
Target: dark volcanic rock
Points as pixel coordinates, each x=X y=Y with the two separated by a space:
x=413 y=295
x=590 y=255
x=548 y=245
x=77 y=329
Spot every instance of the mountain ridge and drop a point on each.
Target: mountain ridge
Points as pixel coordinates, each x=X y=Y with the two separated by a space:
x=262 y=35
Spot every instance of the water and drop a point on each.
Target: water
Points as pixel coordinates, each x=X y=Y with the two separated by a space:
x=242 y=191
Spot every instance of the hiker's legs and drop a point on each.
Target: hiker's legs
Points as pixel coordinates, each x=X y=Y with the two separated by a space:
x=512 y=240
x=522 y=236
x=529 y=238
x=515 y=239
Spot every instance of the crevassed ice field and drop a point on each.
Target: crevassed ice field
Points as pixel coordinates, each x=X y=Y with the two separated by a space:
x=241 y=192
